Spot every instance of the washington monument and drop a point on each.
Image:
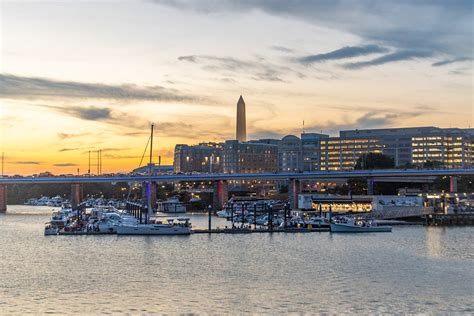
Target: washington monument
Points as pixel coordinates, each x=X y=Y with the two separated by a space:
x=241 y=125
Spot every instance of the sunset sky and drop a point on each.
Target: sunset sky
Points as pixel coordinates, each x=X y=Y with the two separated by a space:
x=78 y=76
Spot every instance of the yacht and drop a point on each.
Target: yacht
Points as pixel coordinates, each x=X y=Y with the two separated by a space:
x=352 y=225
x=181 y=226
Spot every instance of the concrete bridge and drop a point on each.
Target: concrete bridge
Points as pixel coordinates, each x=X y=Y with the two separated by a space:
x=219 y=180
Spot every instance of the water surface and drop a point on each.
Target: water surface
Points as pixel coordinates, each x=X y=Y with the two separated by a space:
x=411 y=270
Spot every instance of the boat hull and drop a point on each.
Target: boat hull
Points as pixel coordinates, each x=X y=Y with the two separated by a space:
x=345 y=228
x=51 y=231
x=152 y=229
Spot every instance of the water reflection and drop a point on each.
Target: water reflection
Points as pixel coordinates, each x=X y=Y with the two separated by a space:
x=433 y=241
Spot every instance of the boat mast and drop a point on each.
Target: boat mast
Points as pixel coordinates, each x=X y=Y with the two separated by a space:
x=151 y=147
x=150 y=185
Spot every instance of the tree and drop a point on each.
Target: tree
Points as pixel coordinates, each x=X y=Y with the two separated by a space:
x=357 y=186
x=374 y=161
x=432 y=164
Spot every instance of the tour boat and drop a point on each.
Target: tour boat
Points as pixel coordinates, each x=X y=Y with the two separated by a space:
x=181 y=227
x=350 y=225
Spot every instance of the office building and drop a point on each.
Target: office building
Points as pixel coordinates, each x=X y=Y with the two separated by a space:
x=311 y=144
x=290 y=154
x=450 y=147
x=202 y=158
x=250 y=157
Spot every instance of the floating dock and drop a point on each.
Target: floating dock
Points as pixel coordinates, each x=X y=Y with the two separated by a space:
x=254 y=231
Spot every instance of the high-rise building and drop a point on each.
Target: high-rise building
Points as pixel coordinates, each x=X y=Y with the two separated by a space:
x=241 y=129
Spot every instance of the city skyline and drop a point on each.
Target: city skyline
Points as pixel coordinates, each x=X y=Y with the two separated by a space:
x=67 y=87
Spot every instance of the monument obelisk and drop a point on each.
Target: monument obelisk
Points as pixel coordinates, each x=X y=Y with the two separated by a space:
x=241 y=132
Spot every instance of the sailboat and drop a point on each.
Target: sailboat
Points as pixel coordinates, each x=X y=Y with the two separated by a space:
x=171 y=227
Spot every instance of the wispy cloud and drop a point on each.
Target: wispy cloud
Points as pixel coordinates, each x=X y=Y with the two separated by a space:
x=450 y=61
x=342 y=53
x=68 y=149
x=282 y=49
x=68 y=136
x=67 y=164
x=27 y=162
x=18 y=87
x=368 y=120
x=389 y=58
x=258 y=69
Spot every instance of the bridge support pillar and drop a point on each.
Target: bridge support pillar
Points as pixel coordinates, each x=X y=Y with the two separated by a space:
x=149 y=194
x=453 y=184
x=293 y=192
x=3 y=198
x=370 y=186
x=220 y=195
x=76 y=195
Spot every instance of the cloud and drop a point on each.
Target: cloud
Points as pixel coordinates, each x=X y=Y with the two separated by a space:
x=68 y=164
x=90 y=113
x=258 y=69
x=263 y=133
x=68 y=149
x=441 y=27
x=68 y=136
x=282 y=49
x=342 y=53
x=450 y=61
x=388 y=58
x=17 y=87
x=368 y=120
x=27 y=163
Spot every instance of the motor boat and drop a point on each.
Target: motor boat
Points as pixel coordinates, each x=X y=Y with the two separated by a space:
x=224 y=214
x=51 y=229
x=353 y=225
x=181 y=226
x=316 y=222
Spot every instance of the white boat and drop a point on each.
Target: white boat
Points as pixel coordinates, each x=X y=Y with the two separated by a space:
x=181 y=227
x=107 y=226
x=316 y=222
x=351 y=225
x=172 y=205
x=51 y=229
x=224 y=214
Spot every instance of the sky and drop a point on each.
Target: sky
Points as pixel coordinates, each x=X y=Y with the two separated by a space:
x=78 y=76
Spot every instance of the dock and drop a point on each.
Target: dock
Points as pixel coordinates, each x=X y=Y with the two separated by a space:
x=258 y=231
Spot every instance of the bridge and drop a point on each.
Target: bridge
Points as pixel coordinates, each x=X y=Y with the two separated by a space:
x=220 y=180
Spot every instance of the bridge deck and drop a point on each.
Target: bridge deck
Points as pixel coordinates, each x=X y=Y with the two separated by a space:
x=249 y=176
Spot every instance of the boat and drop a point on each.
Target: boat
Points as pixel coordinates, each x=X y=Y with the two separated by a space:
x=352 y=225
x=51 y=229
x=224 y=213
x=316 y=222
x=172 y=205
x=179 y=227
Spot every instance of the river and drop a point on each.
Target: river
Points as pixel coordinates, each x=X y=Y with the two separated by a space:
x=414 y=269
